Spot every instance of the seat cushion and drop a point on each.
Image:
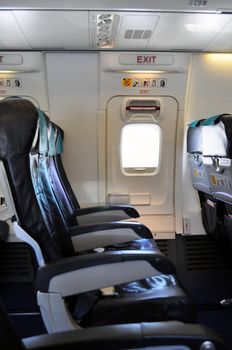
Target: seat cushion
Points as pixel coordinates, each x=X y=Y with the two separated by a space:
x=139 y=244
x=158 y=298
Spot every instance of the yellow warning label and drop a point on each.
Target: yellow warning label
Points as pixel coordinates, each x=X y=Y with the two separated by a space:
x=214 y=180
x=196 y=173
x=127 y=82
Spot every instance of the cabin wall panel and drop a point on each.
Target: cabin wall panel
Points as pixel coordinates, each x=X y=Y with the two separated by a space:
x=73 y=95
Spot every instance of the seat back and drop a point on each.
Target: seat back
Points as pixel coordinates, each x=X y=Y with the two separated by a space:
x=217 y=155
x=44 y=180
x=212 y=210
x=18 y=129
x=197 y=169
x=61 y=186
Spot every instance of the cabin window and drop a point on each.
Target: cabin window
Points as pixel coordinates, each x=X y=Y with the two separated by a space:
x=140 y=149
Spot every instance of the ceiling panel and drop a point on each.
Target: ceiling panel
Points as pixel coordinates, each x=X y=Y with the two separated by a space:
x=55 y=29
x=128 y=5
x=223 y=41
x=11 y=36
x=136 y=30
x=187 y=31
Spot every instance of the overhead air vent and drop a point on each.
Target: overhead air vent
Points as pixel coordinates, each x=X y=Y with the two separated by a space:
x=103 y=29
x=198 y=3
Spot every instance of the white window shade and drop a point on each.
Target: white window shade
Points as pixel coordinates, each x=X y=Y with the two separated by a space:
x=140 y=149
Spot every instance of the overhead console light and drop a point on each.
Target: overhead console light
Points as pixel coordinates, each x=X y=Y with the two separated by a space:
x=103 y=29
x=143 y=71
x=205 y=27
x=219 y=58
x=13 y=71
x=206 y=23
x=227 y=11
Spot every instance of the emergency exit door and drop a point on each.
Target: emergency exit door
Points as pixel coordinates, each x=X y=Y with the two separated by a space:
x=140 y=157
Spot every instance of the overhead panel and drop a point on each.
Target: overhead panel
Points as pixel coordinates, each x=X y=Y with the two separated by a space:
x=223 y=41
x=179 y=31
x=11 y=36
x=136 y=30
x=110 y=5
x=55 y=29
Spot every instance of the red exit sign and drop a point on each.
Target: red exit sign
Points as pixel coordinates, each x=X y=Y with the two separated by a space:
x=146 y=59
x=149 y=59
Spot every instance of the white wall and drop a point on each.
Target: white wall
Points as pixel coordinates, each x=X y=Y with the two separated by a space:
x=73 y=96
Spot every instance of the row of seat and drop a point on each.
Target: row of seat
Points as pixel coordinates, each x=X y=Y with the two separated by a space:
x=210 y=161
x=71 y=282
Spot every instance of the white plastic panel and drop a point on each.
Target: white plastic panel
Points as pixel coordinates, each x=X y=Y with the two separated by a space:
x=152 y=195
x=55 y=29
x=72 y=88
x=187 y=31
x=27 y=77
x=222 y=41
x=11 y=37
x=135 y=30
x=159 y=5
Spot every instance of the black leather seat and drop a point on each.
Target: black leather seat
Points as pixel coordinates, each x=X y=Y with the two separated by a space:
x=58 y=213
x=141 y=280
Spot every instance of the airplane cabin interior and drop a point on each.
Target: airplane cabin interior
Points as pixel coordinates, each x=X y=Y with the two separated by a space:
x=116 y=174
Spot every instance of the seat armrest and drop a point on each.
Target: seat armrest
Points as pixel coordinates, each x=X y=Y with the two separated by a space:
x=138 y=228
x=129 y=336
x=107 y=234
x=105 y=213
x=93 y=271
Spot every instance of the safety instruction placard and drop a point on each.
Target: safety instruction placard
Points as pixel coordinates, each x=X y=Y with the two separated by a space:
x=10 y=82
x=144 y=82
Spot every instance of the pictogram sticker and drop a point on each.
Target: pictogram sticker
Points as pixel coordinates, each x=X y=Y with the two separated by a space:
x=214 y=180
x=127 y=82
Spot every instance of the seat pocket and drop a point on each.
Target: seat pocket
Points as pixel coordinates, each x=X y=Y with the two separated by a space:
x=212 y=218
x=227 y=237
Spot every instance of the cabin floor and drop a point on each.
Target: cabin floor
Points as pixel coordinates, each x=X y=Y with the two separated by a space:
x=205 y=274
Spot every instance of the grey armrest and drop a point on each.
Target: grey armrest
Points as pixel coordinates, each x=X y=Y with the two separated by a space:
x=88 y=272
x=129 y=336
x=105 y=213
x=104 y=234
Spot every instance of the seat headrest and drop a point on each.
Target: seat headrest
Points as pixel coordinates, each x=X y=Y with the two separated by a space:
x=194 y=140
x=18 y=123
x=217 y=138
x=227 y=121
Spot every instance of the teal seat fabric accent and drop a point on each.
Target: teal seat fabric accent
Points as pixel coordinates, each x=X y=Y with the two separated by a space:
x=52 y=141
x=43 y=138
x=59 y=145
x=194 y=124
x=51 y=144
x=212 y=120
